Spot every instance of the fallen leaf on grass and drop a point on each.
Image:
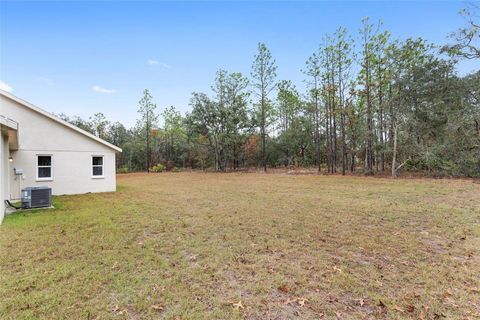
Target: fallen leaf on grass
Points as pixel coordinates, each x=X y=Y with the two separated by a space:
x=284 y=288
x=410 y=308
x=119 y=311
x=398 y=309
x=301 y=301
x=157 y=307
x=238 y=305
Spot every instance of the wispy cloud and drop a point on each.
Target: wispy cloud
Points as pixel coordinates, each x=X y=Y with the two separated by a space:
x=5 y=87
x=103 y=90
x=156 y=62
x=46 y=81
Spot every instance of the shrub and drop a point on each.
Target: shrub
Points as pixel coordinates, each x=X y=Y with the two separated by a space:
x=158 y=168
x=122 y=170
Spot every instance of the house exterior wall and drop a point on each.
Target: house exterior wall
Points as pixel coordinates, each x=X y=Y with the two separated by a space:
x=3 y=174
x=71 y=153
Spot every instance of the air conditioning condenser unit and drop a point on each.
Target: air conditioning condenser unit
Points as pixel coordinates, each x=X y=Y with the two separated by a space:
x=36 y=197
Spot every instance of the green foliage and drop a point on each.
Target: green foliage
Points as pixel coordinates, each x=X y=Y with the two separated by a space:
x=158 y=168
x=99 y=125
x=370 y=105
x=221 y=122
x=122 y=170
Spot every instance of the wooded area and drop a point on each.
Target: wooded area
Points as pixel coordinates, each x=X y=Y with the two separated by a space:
x=373 y=105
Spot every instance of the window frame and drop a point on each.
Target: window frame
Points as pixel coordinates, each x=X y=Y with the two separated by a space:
x=38 y=167
x=97 y=165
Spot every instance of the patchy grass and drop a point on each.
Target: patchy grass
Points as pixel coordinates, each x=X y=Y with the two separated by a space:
x=254 y=246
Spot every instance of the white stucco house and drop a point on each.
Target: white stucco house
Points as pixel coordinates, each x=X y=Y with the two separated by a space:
x=40 y=149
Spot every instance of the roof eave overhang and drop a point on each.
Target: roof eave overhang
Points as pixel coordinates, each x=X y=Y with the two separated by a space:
x=9 y=128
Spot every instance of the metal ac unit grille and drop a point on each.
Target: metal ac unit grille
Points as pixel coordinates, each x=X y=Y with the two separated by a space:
x=40 y=198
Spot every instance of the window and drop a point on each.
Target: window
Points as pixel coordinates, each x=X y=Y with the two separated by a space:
x=44 y=167
x=97 y=166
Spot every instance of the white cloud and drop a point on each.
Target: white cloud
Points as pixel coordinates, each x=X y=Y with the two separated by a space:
x=103 y=90
x=5 y=87
x=156 y=62
x=46 y=81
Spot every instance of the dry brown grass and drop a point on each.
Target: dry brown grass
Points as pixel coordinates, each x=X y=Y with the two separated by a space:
x=194 y=245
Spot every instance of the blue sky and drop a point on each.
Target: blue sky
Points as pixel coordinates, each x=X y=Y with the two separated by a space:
x=85 y=57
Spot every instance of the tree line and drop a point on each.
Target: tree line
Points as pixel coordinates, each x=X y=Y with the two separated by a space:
x=372 y=105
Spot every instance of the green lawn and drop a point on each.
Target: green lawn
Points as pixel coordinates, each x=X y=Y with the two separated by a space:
x=254 y=246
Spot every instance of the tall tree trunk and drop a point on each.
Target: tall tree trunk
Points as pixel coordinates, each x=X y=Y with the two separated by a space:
x=317 y=127
x=148 y=143
x=330 y=119
x=369 y=148
x=381 y=121
x=352 y=163
x=327 y=131
x=334 y=118
x=394 y=157
x=264 y=139
x=342 y=118
x=369 y=156
x=390 y=103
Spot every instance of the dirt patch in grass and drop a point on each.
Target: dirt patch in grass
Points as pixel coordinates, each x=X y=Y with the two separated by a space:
x=253 y=246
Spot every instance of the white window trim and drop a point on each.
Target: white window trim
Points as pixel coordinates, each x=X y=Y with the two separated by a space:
x=50 y=166
x=102 y=165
